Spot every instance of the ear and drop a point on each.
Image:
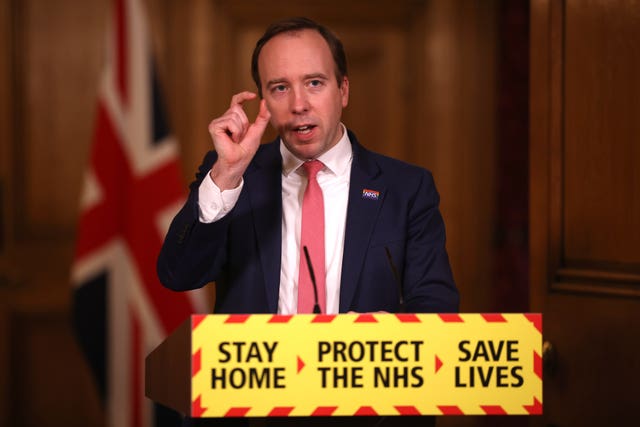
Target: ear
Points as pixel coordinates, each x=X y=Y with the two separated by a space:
x=344 y=90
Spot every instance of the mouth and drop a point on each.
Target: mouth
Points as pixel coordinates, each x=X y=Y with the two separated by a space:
x=303 y=129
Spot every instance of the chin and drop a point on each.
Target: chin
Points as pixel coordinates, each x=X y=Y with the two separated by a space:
x=306 y=153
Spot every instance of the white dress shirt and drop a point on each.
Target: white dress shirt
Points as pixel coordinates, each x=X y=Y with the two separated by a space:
x=334 y=182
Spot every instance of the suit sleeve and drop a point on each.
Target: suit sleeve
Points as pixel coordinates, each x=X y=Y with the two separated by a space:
x=193 y=252
x=428 y=281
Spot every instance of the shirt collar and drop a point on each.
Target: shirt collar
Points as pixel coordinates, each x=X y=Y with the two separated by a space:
x=337 y=159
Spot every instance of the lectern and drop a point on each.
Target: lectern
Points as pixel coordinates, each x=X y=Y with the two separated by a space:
x=350 y=365
x=168 y=370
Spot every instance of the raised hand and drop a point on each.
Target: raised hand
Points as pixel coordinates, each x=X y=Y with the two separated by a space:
x=236 y=140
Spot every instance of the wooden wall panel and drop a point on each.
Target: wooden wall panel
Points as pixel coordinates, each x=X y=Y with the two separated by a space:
x=53 y=67
x=457 y=133
x=602 y=65
x=45 y=379
x=59 y=55
x=6 y=125
x=5 y=343
x=585 y=275
x=595 y=208
x=6 y=136
x=50 y=385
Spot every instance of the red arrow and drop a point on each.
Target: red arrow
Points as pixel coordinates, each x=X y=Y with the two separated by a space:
x=438 y=363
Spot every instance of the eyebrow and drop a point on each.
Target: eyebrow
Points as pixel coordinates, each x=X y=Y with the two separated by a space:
x=316 y=76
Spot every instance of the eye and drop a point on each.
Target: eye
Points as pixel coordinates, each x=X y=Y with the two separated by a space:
x=315 y=83
x=278 y=88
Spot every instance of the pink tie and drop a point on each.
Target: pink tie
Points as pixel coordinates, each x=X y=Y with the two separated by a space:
x=312 y=236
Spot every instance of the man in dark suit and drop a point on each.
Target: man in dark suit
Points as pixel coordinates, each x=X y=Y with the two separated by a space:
x=384 y=236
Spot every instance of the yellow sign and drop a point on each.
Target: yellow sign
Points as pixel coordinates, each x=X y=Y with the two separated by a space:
x=366 y=364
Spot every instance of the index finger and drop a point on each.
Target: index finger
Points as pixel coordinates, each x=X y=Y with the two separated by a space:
x=240 y=98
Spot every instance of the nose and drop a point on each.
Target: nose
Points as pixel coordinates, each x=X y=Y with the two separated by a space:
x=299 y=101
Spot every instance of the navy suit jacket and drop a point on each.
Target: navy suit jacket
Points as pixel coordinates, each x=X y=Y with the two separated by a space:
x=242 y=251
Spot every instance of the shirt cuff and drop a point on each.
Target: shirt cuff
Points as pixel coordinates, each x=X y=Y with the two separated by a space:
x=214 y=204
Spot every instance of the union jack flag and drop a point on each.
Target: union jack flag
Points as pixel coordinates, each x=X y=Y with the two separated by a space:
x=132 y=190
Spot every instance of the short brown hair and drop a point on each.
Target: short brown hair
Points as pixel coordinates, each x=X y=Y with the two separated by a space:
x=294 y=25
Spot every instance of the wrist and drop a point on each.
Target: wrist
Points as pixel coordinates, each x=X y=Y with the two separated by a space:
x=225 y=178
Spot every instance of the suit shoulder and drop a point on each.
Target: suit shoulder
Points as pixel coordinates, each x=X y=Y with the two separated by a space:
x=392 y=162
x=400 y=169
x=384 y=162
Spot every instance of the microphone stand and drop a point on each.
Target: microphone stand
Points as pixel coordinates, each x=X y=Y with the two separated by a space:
x=316 y=306
x=396 y=276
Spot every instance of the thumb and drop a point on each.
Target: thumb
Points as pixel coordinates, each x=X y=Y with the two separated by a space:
x=262 y=119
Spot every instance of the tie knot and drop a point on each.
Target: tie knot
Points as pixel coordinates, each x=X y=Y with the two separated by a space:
x=312 y=168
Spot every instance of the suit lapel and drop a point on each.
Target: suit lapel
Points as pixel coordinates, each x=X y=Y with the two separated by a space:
x=264 y=187
x=362 y=214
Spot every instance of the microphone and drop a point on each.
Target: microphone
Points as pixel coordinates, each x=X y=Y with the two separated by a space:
x=396 y=276
x=316 y=306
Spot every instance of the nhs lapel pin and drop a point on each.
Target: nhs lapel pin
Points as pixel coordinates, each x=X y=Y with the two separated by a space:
x=370 y=194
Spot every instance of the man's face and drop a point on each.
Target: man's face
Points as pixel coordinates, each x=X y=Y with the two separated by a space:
x=299 y=84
